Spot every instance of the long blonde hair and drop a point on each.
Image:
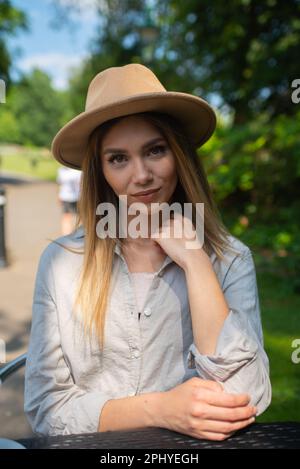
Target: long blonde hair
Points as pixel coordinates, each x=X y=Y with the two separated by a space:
x=192 y=186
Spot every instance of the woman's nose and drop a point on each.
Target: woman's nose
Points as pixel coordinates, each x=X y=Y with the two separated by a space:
x=141 y=172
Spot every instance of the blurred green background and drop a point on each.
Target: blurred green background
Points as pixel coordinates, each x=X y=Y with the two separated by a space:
x=242 y=56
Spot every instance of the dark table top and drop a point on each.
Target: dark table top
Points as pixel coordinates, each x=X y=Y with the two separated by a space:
x=257 y=435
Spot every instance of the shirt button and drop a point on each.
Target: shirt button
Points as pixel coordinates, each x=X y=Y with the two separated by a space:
x=136 y=354
x=147 y=312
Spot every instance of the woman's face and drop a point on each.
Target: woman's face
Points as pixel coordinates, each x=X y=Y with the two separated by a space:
x=132 y=162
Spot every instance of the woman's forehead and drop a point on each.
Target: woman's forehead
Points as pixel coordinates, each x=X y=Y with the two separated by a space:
x=130 y=122
x=138 y=128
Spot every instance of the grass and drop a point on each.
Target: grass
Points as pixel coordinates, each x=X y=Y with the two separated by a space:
x=281 y=324
x=34 y=162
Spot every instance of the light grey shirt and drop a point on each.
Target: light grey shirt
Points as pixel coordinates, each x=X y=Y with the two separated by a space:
x=68 y=379
x=141 y=283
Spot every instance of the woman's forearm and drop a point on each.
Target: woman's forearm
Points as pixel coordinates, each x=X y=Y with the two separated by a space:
x=208 y=305
x=138 y=411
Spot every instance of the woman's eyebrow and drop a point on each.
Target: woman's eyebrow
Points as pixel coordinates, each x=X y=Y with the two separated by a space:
x=145 y=145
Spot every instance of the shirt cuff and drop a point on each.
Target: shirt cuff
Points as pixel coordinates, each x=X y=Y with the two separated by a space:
x=79 y=414
x=236 y=346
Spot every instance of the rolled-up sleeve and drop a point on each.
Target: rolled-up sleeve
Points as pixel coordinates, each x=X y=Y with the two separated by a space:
x=53 y=403
x=240 y=362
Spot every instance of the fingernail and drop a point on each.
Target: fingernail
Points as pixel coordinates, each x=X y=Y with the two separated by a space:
x=252 y=419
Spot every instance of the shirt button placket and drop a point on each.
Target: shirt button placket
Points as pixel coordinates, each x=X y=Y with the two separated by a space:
x=135 y=352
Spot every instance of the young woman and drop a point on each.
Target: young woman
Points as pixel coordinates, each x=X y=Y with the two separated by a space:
x=129 y=332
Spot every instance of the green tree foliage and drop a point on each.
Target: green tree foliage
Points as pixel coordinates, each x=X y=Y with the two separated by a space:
x=117 y=42
x=11 y=20
x=247 y=51
x=35 y=107
x=9 y=126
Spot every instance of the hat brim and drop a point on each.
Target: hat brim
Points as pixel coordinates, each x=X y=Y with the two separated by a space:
x=197 y=117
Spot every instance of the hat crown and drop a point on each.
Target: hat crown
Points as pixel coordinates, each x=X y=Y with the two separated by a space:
x=123 y=91
x=115 y=83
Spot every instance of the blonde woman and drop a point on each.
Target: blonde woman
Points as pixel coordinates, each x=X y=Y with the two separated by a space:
x=129 y=332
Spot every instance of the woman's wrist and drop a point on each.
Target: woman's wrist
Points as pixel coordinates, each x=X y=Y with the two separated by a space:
x=142 y=410
x=196 y=259
x=155 y=408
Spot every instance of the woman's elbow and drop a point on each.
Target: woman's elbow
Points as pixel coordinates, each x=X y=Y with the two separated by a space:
x=262 y=396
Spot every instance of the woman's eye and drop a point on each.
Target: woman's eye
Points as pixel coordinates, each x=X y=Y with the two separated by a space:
x=156 y=150
x=162 y=149
x=113 y=158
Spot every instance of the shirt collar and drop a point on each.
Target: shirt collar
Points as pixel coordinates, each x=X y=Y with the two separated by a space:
x=79 y=233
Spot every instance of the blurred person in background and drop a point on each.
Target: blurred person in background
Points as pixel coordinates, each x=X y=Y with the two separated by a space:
x=68 y=180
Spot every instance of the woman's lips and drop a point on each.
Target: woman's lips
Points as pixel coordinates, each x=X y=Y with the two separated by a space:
x=147 y=197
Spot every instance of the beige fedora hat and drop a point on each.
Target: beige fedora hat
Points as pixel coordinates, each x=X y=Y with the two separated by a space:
x=125 y=90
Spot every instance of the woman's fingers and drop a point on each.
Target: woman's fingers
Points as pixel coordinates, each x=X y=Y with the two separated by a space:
x=222 y=399
x=207 y=412
x=218 y=426
x=220 y=431
x=213 y=436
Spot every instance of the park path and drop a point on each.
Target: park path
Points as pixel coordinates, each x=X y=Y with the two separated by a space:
x=32 y=214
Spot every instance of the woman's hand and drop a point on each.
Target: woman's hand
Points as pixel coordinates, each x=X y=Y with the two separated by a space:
x=173 y=238
x=202 y=409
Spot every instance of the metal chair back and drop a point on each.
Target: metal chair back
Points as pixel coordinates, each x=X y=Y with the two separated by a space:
x=12 y=366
